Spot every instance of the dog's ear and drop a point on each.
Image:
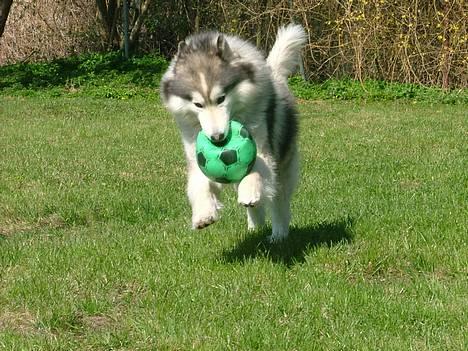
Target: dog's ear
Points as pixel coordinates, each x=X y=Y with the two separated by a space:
x=222 y=49
x=182 y=49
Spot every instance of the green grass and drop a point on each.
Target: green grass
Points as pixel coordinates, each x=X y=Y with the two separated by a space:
x=96 y=251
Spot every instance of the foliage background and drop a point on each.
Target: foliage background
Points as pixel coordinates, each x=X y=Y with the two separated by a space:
x=411 y=41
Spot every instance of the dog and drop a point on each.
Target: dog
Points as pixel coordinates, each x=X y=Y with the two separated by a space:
x=214 y=78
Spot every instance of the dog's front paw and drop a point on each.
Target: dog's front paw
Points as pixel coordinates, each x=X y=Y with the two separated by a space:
x=203 y=218
x=203 y=222
x=250 y=190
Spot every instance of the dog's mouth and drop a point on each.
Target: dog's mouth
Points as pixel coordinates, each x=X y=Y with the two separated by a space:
x=221 y=139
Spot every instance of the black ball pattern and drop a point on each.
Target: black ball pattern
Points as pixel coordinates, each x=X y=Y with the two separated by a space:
x=228 y=157
x=201 y=159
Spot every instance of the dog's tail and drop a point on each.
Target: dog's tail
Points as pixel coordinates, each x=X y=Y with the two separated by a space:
x=285 y=54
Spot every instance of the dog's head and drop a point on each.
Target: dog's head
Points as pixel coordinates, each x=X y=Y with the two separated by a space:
x=202 y=80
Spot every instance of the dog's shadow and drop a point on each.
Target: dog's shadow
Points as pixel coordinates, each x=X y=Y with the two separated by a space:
x=294 y=249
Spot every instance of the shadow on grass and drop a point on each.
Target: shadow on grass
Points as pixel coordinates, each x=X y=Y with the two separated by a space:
x=294 y=249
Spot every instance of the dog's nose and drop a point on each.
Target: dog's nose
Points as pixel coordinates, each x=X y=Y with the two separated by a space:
x=216 y=138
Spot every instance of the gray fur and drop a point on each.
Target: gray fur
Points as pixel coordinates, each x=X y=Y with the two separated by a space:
x=209 y=54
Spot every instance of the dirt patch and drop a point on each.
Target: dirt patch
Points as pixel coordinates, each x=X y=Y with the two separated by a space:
x=10 y=228
x=19 y=321
x=96 y=322
x=53 y=221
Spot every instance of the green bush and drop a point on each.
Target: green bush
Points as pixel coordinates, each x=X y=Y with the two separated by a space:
x=102 y=75
x=374 y=90
x=109 y=75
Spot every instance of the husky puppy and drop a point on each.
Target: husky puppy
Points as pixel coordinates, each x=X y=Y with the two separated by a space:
x=215 y=78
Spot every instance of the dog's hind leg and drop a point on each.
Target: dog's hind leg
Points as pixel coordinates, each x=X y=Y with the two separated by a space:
x=280 y=205
x=255 y=217
x=280 y=217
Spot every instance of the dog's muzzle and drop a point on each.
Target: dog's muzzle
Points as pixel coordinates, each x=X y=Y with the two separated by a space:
x=217 y=138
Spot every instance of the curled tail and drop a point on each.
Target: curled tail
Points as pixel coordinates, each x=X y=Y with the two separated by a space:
x=285 y=54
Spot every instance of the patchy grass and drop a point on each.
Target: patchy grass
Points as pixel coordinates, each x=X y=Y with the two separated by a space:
x=96 y=251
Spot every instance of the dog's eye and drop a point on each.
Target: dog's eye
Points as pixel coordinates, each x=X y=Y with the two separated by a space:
x=199 y=105
x=220 y=99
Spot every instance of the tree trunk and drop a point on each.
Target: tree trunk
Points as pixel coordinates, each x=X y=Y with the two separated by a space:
x=108 y=13
x=135 y=33
x=4 y=11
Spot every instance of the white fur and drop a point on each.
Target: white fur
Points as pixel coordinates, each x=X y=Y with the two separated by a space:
x=271 y=181
x=283 y=58
x=214 y=120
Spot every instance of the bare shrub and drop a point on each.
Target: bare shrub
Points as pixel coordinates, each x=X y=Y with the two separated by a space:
x=45 y=29
x=413 y=41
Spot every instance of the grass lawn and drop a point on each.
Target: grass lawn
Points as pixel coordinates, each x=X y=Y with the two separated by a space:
x=96 y=252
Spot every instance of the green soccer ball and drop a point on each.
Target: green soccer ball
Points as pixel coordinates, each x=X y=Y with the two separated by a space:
x=229 y=161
